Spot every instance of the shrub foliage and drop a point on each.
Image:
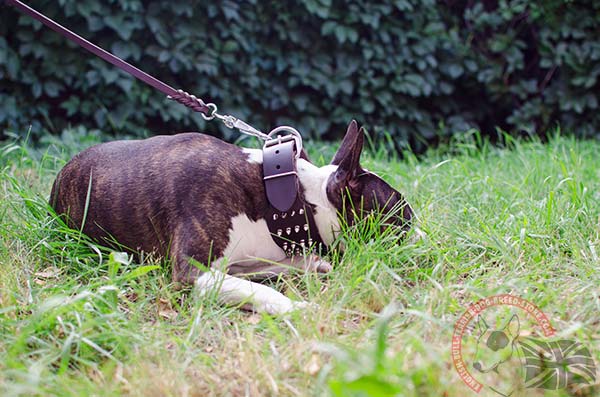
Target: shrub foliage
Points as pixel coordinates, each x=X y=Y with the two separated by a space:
x=416 y=69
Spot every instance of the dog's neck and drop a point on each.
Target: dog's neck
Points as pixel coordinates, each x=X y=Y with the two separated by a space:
x=314 y=182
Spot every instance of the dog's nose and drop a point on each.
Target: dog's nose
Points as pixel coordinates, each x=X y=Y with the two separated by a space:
x=477 y=366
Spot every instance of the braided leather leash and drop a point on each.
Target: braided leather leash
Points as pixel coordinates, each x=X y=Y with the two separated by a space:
x=207 y=110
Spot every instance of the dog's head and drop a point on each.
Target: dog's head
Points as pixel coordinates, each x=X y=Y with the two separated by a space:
x=495 y=346
x=357 y=193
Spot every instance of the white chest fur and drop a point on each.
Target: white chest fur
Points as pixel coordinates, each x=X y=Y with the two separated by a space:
x=249 y=240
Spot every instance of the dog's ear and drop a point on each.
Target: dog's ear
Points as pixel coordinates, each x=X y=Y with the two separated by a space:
x=347 y=158
x=348 y=143
x=481 y=325
x=513 y=326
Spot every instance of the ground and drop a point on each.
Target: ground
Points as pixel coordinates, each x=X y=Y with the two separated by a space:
x=522 y=218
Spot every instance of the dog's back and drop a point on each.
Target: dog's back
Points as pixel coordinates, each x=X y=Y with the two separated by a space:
x=143 y=192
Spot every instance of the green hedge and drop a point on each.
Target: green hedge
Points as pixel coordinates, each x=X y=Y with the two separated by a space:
x=416 y=69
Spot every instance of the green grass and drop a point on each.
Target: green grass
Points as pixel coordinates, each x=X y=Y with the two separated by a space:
x=522 y=219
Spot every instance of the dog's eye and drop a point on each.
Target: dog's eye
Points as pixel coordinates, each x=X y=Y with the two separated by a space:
x=497 y=340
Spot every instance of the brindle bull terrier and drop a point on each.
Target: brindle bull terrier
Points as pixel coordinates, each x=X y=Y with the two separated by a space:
x=196 y=199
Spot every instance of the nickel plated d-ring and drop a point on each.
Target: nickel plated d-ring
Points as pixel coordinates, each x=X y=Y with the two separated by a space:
x=297 y=137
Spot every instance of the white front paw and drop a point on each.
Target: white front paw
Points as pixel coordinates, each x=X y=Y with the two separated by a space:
x=282 y=306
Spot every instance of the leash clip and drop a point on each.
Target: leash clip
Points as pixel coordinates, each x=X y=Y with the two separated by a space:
x=242 y=126
x=245 y=128
x=233 y=122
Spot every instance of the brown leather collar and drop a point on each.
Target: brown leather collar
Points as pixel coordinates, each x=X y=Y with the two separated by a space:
x=290 y=219
x=279 y=169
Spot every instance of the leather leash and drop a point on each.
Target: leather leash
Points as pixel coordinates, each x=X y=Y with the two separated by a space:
x=290 y=219
x=207 y=110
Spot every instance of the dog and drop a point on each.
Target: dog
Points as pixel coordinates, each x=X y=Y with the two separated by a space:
x=529 y=362
x=199 y=200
